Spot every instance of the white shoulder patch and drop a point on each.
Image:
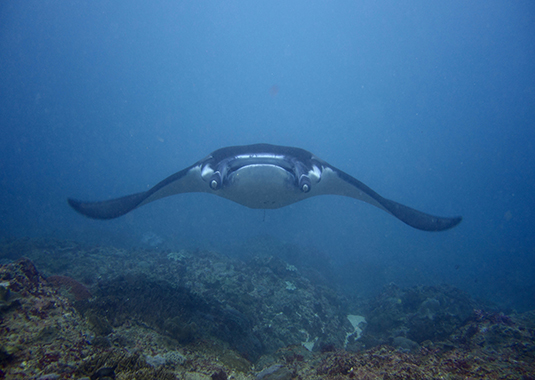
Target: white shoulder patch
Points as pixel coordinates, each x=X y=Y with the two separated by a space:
x=206 y=171
x=315 y=173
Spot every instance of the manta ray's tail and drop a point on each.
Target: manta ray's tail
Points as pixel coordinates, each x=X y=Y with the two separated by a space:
x=108 y=209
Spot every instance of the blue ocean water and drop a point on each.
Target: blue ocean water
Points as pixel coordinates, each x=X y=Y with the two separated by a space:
x=430 y=104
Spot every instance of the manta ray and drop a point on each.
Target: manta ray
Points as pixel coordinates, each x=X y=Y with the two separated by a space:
x=263 y=176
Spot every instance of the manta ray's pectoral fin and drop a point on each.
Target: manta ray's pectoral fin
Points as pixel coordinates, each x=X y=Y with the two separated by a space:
x=184 y=181
x=336 y=181
x=108 y=209
x=418 y=219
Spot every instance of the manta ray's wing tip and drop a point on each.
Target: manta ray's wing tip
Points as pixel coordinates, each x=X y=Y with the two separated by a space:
x=443 y=224
x=457 y=220
x=83 y=208
x=74 y=203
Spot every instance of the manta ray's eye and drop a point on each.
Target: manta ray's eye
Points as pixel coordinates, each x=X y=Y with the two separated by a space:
x=305 y=184
x=215 y=181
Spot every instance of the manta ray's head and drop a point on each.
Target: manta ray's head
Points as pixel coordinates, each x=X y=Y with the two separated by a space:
x=260 y=180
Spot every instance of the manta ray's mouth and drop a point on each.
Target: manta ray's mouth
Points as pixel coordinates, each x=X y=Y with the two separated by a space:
x=224 y=173
x=240 y=162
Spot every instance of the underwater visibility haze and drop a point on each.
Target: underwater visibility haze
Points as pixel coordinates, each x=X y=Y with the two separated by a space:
x=429 y=104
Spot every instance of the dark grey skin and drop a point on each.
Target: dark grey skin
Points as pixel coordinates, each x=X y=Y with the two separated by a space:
x=263 y=176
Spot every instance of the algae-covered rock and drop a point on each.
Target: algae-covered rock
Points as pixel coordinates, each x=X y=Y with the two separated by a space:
x=4 y=291
x=43 y=334
x=47 y=334
x=275 y=372
x=419 y=313
x=98 y=323
x=177 y=329
x=5 y=357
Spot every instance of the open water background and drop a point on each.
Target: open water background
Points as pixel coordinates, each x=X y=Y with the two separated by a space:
x=431 y=104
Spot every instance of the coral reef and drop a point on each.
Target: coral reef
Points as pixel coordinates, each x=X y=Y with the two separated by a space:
x=385 y=362
x=257 y=306
x=77 y=290
x=42 y=333
x=409 y=317
x=201 y=315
